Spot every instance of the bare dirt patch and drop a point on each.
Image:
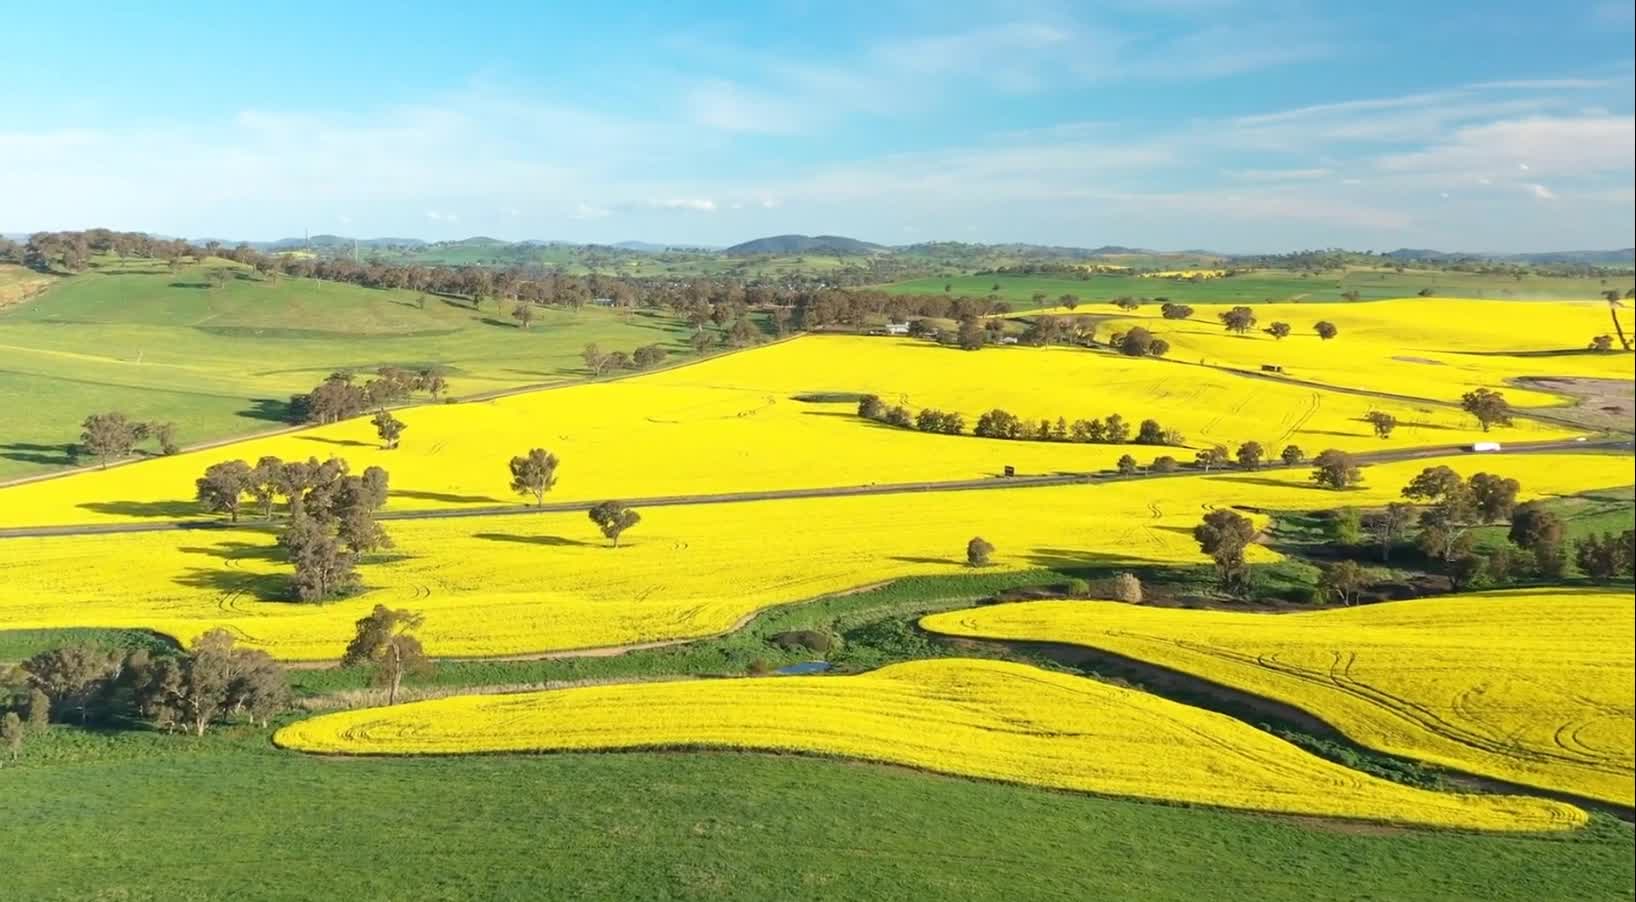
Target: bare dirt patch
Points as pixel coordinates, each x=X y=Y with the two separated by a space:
x=1427 y=362
x=1600 y=403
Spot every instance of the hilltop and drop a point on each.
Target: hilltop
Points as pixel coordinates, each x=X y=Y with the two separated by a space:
x=802 y=244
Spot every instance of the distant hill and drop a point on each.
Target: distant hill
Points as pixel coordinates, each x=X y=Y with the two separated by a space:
x=1624 y=257
x=802 y=244
x=329 y=242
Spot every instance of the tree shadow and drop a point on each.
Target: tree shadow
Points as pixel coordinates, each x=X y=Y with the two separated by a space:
x=491 y=321
x=446 y=497
x=345 y=442
x=1332 y=432
x=1092 y=564
x=268 y=409
x=553 y=541
x=35 y=453
x=1262 y=480
x=194 y=285
x=237 y=551
x=234 y=584
x=911 y=559
x=144 y=508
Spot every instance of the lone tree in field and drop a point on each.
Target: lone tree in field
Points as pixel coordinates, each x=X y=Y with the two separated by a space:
x=1279 y=331
x=1335 y=469
x=1614 y=306
x=389 y=428
x=534 y=474
x=1488 y=406
x=978 y=552
x=110 y=436
x=614 y=518
x=383 y=642
x=1382 y=422
x=1344 y=580
x=1127 y=465
x=223 y=486
x=1326 y=329
x=1250 y=455
x=1224 y=535
x=1292 y=455
x=523 y=314
x=595 y=360
x=1238 y=320
x=1175 y=311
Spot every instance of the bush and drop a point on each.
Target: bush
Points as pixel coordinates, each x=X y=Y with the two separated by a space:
x=1127 y=588
x=978 y=551
x=759 y=667
x=1076 y=588
x=810 y=640
x=1164 y=464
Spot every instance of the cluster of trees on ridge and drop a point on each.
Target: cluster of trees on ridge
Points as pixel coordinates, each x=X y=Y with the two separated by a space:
x=1440 y=511
x=214 y=681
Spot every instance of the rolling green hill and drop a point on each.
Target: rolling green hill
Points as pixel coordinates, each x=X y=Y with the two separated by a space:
x=221 y=361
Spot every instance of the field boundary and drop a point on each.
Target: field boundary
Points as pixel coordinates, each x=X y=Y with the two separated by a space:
x=891 y=488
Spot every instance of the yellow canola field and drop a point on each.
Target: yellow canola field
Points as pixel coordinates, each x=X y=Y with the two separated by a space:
x=988 y=719
x=1186 y=274
x=1437 y=348
x=527 y=583
x=1532 y=687
x=732 y=424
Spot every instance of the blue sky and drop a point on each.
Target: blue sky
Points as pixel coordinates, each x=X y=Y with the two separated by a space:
x=1237 y=126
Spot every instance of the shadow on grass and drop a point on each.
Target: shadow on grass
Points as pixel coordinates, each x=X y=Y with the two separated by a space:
x=144 y=508
x=910 y=559
x=553 y=541
x=268 y=409
x=35 y=453
x=237 y=551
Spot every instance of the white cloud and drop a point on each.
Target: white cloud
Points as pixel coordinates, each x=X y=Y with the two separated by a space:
x=693 y=204
x=731 y=107
x=436 y=216
x=1281 y=175
x=1541 y=192
x=1552 y=145
x=583 y=211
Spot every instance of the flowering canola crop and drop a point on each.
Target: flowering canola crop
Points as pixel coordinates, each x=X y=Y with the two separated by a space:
x=548 y=582
x=988 y=719
x=1532 y=686
x=1436 y=348
x=734 y=424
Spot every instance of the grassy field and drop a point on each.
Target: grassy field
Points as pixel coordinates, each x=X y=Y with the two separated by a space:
x=991 y=719
x=736 y=423
x=179 y=819
x=1436 y=348
x=1260 y=285
x=1471 y=682
x=539 y=582
x=223 y=361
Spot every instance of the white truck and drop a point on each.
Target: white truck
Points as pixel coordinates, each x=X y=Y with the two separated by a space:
x=1485 y=446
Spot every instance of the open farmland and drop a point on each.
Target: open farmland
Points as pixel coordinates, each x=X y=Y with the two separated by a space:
x=736 y=423
x=987 y=719
x=223 y=361
x=1435 y=348
x=545 y=582
x=1529 y=686
x=1261 y=285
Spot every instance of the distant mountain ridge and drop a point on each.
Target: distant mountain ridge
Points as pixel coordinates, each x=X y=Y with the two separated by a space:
x=1621 y=257
x=803 y=244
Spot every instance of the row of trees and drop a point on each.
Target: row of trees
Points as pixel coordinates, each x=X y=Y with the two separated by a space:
x=214 y=681
x=114 y=436
x=599 y=361
x=340 y=396
x=997 y=423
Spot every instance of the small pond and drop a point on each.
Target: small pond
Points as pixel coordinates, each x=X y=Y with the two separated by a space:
x=803 y=667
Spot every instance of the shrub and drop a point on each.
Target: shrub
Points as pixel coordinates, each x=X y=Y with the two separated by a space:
x=978 y=551
x=1164 y=463
x=1127 y=588
x=759 y=667
x=810 y=640
x=1076 y=588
